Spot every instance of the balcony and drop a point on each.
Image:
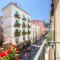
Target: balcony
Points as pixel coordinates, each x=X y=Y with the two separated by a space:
x=23 y=26
x=17 y=15
x=17 y=24
x=28 y=26
x=28 y=32
x=17 y=33
x=41 y=52
x=23 y=33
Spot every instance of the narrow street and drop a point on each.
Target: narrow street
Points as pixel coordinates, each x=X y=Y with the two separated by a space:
x=35 y=47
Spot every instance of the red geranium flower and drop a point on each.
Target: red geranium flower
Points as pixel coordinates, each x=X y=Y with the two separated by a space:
x=17 y=59
x=3 y=54
x=9 y=51
x=17 y=50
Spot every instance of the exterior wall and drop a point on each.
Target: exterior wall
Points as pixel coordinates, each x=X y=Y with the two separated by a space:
x=7 y=26
x=7 y=11
x=51 y=55
x=56 y=20
x=37 y=29
x=34 y=31
x=9 y=21
x=57 y=29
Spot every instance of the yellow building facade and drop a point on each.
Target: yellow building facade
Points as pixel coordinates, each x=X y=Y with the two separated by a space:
x=55 y=25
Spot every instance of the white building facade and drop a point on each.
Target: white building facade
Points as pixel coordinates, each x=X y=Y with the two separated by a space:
x=16 y=24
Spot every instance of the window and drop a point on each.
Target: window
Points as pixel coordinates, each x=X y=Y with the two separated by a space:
x=24 y=18
x=23 y=25
x=28 y=20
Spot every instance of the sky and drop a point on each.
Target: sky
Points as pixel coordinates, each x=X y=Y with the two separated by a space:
x=38 y=9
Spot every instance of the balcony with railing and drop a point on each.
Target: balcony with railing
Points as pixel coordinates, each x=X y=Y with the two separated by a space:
x=23 y=26
x=41 y=52
x=28 y=26
x=24 y=32
x=17 y=24
x=17 y=15
x=17 y=33
x=28 y=32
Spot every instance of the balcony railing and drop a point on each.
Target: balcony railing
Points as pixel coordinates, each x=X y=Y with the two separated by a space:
x=23 y=26
x=17 y=15
x=28 y=32
x=28 y=26
x=41 y=52
x=23 y=33
x=17 y=33
x=17 y=24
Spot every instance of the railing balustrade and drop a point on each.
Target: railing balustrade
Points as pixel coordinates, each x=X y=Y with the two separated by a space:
x=41 y=52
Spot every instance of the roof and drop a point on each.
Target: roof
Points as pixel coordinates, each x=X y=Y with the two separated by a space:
x=16 y=6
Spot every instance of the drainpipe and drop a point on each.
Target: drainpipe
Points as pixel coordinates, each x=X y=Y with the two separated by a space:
x=54 y=39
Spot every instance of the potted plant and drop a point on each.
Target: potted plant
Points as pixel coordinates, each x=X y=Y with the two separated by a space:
x=23 y=33
x=17 y=33
x=9 y=54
